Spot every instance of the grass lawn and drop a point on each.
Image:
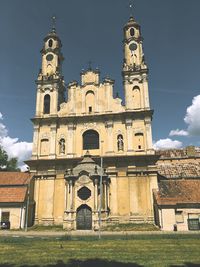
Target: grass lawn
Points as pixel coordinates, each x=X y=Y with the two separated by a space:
x=126 y=251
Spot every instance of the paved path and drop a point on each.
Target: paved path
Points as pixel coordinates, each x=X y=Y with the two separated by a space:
x=88 y=233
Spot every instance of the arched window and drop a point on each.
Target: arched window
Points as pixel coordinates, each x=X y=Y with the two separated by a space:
x=62 y=146
x=50 y=43
x=89 y=101
x=136 y=97
x=139 y=141
x=120 y=142
x=90 y=140
x=44 y=147
x=47 y=104
x=132 y=32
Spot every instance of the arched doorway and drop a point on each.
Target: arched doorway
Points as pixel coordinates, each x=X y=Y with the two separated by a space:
x=84 y=218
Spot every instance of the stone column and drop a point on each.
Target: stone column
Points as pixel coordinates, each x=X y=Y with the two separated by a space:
x=148 y=143
x=36 y=197
x=108 y=194
x=95 y=194
x=146 y=91
x=35 y=151
x=113 y=200
x=129 y=132
x=109 y=127
x=39 y=101
x=70 y=142
x=54 y=101
x=105 y=194
x=53 y=141
x=70 y=195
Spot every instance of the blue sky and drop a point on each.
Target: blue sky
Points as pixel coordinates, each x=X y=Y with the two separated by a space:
x=93 y=30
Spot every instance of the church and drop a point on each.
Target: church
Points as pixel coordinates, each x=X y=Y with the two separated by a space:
x=93 y=162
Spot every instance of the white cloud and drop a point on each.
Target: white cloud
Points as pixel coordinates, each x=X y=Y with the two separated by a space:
x=167 y=144
x=192 y=117
x=178 y=132
x=13 y=147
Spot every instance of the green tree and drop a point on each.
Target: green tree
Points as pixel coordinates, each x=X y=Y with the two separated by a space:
x=7 y=164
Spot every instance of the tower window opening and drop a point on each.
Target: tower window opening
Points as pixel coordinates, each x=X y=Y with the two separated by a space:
x=132 y=32
x=50 y=43
x=139 y=147
x=90 y=109
x=90 y=140
x=47 y=104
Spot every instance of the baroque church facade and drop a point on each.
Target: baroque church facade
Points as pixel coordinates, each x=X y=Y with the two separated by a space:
x=93 y=155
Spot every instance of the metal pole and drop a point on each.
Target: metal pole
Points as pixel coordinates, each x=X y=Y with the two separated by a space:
x=27 y=206
x=100 y=201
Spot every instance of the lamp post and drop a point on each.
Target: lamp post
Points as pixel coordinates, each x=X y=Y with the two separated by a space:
x=100 y=185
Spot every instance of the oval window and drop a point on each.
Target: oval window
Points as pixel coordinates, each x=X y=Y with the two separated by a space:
x=50 y=43
x=49 y=57
x=132 y=32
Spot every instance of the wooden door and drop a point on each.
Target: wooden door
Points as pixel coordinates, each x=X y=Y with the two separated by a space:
x=84 y=218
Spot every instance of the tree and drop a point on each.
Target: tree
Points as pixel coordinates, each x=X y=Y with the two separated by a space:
x=7 y=164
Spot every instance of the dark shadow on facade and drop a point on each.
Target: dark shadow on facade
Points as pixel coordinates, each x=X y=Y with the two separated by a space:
x=96 y=263
x=84 y=263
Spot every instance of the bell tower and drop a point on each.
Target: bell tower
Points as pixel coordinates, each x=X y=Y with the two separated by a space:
x=135 y=70
x=50 y=82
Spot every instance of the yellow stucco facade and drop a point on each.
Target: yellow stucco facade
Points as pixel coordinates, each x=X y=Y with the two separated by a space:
x=91 y=135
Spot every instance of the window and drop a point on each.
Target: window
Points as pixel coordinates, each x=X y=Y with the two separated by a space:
x=84 y=193
x=193 y=224
x=5 y=216
x=44 y=147
x=132 y=32
x=136 y=97
x=89 y=101
x=90 y=140
x=179 y=216
x=139 y=141
x=46 y=104
x=50 y=43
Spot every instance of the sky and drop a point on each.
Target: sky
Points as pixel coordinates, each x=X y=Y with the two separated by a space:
x=92 y=30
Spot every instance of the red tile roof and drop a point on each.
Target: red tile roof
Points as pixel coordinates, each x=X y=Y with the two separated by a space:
x=13 y=186
x=12 y=194
x=179 y=170
x=14 y=178
x=173 y=192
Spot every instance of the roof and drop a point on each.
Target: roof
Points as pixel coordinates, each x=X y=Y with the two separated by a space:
x=179 y=170
x=14 y=178
x=174 y=192
x=13 y=186
x=12 y=194
x=186 y=152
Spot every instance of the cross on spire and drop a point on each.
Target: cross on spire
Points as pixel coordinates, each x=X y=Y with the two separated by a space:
x=89 y=64
x=53 y=23
x=131 y=7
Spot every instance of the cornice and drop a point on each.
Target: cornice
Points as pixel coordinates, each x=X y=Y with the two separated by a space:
x=127 y=115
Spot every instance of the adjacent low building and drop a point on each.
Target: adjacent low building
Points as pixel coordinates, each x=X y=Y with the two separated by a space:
x=177 y=199
x=15 y=197
x=177 y=205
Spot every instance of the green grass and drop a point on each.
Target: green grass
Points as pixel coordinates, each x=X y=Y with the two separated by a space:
x=137 y=250
x=39 y=227
x=131 y=227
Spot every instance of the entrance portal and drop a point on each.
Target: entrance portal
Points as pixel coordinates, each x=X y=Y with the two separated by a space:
x=84 y=218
